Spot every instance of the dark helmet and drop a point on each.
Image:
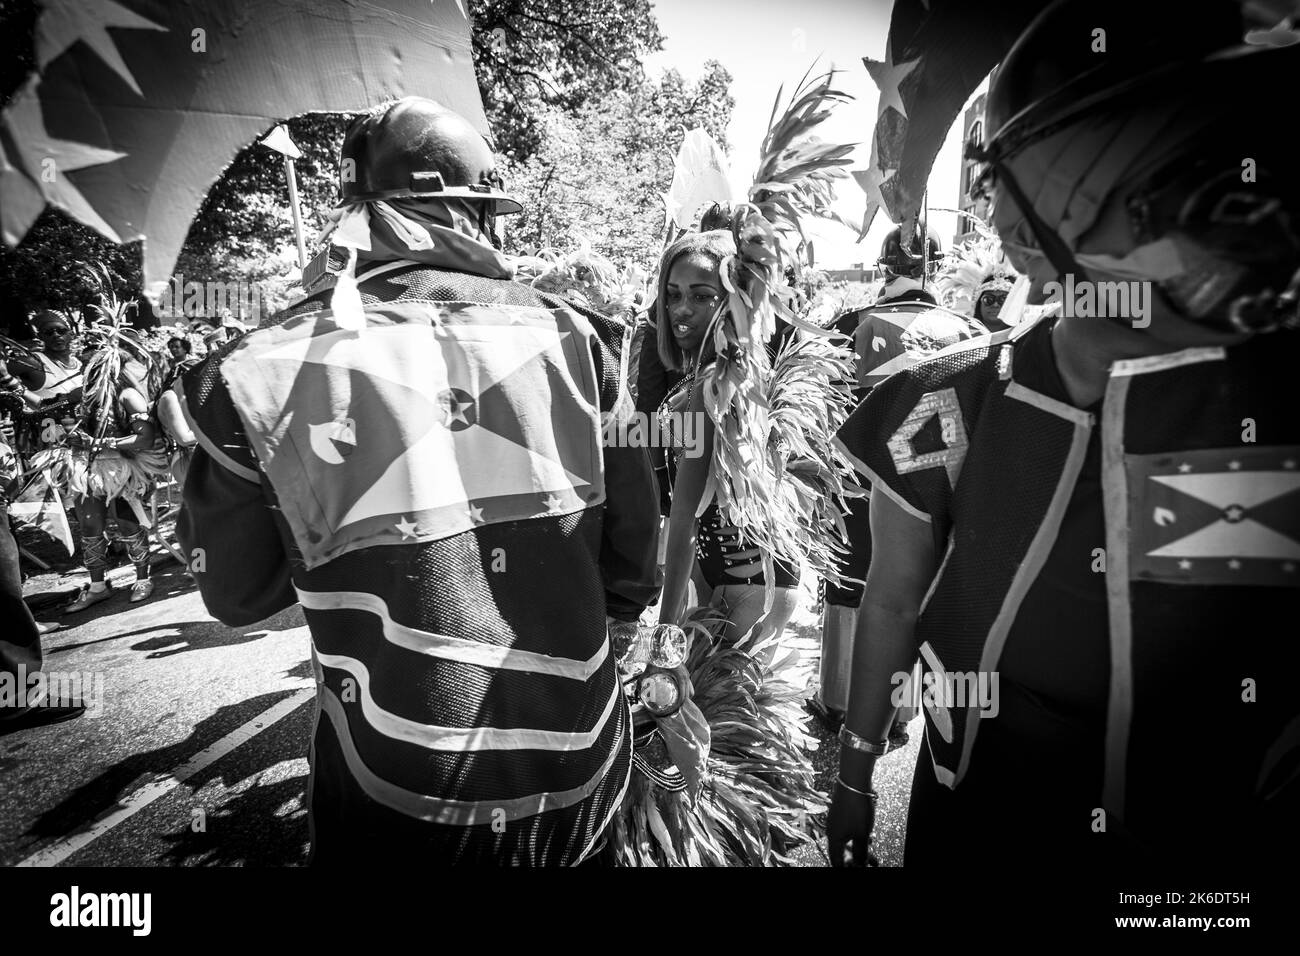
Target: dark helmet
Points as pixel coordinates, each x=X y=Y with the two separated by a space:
x=418 y=148
x=911 y=261
x=717 y=216
x=1156 y=54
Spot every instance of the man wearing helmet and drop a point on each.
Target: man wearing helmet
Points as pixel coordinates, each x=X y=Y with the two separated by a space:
x=1096 y=516
x=412 y=452
x=905 y=268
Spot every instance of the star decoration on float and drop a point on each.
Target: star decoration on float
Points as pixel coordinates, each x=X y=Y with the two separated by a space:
x=870 y=180
x=888 y=76
x=46 y=160
x=65 y=22
x=407 y=527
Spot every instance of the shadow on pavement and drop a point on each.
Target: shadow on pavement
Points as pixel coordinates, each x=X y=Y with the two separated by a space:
x=264 y=824
x=104 y=792
x=194 y=635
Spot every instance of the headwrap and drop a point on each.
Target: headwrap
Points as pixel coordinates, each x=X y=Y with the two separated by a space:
x=444 y=233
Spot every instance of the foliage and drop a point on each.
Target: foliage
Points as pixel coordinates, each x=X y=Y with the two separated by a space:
x=600 y=175
x=535 y=56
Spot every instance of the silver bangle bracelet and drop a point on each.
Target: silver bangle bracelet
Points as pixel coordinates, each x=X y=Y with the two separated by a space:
x=861 y=793
x=852 y=740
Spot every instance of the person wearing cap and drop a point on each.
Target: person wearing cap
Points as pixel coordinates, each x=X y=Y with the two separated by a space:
x=1090 y=520
x=413 y=453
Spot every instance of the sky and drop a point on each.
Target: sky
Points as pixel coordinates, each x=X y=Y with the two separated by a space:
x=764 y=43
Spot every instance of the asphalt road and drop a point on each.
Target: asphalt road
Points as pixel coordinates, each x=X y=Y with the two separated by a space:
x=198 y=755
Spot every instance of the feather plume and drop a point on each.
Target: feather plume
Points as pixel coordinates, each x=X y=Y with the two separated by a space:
x=777 y=476
x=972 y=267
x=759 y=796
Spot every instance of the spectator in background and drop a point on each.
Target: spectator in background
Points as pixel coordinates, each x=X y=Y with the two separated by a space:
x=182 y=358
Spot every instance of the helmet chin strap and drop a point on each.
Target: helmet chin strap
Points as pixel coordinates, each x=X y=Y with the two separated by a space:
x=1053 y=246
x=487 y=223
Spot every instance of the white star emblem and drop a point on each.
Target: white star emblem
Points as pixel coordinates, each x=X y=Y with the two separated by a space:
x=1184 y=565
x=476 y=514
x=64 y=22
x=1233 y=513
x=1289 y=464
x=553 y=503
x=23 y=201
x=456 y=410
x=1234 y=466
x=406 y=527
x=871 y=179
x=35 y=146
x=1184 y=468
x=888 y=75
x=1234 y=564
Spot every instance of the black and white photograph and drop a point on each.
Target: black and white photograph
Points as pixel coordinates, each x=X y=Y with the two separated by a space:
x=589 y=434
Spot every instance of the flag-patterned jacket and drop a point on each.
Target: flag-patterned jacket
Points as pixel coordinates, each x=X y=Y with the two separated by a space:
x=1200 y=477
x=433 y=491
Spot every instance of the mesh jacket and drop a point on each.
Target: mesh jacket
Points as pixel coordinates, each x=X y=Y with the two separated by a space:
x=432 y=490
x=1201 y=557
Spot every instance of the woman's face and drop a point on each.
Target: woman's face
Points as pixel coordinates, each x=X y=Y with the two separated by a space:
x=990 y=306
x=691 y=297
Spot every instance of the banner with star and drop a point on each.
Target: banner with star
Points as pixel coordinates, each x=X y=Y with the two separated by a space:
x=415 y=430
x=937 y=53
x=137 y=106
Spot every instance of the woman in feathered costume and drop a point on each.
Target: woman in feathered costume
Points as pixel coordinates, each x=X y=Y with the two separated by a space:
x=976 y=279
x=116 y=452
x=726 y=780
x=690 y=293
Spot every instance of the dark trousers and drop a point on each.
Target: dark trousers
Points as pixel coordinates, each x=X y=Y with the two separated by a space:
x=20 y=641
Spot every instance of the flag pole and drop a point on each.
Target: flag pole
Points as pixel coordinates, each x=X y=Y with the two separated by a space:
x=279 y=140
x=297 y=214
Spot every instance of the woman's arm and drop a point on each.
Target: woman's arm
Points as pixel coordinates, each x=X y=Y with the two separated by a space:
x=884 y=645
x=903 y=566
x=173 y=420
x=145 y=435
x=688 y=490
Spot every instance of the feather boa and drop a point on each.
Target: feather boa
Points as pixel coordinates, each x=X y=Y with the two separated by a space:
x=758 y=794
x=776 y=474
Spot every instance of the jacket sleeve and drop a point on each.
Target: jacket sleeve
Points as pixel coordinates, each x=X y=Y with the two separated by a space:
x=226 y=525
x=630 y=535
